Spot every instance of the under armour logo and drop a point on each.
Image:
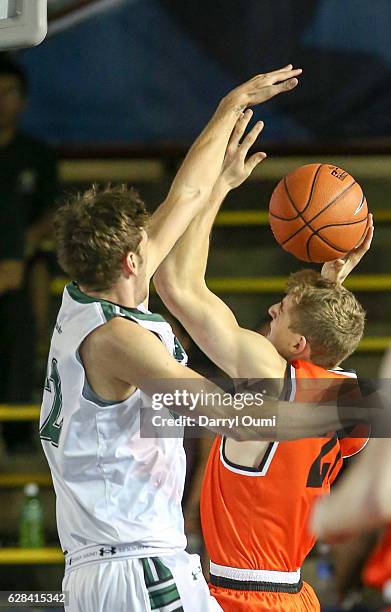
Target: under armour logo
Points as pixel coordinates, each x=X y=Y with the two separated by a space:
x=196 y=573
x=107 y=551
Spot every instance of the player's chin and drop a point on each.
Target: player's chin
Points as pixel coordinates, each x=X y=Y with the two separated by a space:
x=273 y=337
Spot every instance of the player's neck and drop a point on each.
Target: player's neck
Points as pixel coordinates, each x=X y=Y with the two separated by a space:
x=123 y=294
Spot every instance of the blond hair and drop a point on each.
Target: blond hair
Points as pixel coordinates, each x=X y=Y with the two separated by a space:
x=327 y=314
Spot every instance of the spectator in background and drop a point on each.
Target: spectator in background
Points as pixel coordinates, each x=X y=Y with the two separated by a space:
x=28 y=185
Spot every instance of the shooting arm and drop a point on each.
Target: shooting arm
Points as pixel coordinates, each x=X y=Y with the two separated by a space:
x=194 y=182
x=180 y=280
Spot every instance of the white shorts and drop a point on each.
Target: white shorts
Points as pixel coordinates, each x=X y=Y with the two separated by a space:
x=163 y=584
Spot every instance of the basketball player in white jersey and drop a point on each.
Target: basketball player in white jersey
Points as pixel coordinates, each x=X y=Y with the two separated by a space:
x=118 y=494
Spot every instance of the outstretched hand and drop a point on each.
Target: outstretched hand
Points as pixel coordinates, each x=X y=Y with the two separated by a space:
x=337 y=270
x=236 y=167
x=264 y=86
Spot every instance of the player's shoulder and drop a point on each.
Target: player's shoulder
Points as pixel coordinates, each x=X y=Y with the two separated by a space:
x=114 y=337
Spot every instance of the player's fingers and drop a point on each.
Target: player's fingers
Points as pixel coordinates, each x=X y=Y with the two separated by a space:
x=284 y=76
x=273 y=77
x=251 y=138
x=339 y=263
x=370 y=226
x=285 y=85
x=266 y=93
x=365 y=243
x=239 y=129
x=263 y=87
x=265 y=75
x=253 y=162
x=368 y=237
x=283 y=69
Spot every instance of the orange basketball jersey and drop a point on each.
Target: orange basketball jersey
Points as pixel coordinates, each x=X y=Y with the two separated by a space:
x=257 y=518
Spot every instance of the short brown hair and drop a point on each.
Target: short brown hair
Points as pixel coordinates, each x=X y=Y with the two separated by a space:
x=95 y=230
x=327 y=314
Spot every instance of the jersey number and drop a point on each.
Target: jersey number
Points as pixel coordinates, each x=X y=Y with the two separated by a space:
x=51 y=429
x=319 y=470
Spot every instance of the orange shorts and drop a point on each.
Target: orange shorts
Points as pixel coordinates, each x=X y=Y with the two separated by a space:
x=232 y=600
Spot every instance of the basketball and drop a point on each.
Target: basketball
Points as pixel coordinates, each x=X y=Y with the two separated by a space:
x=318 y=213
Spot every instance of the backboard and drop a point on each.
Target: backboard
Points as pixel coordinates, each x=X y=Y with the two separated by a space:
x=23 y=23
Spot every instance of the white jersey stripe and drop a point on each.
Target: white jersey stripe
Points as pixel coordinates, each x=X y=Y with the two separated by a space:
x=153 y=571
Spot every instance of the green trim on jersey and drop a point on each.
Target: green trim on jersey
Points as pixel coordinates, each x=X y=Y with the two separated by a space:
x=110 y=309
x=51 y=428
x=179 y=352
x=162 y=590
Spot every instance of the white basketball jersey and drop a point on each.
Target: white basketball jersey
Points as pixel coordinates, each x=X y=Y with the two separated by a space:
x=112 y=486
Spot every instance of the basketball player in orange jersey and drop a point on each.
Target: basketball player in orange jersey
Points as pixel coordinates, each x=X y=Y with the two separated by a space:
x=257 y=497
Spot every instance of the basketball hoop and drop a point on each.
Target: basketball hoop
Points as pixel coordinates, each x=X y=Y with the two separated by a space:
x=23 y=23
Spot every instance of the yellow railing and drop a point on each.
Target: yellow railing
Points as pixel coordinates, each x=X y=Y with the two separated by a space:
x=21 y=556
x=16 y=480
x=276 y=284
x=245 y=218
x=374 y=344
x=133 y=170
x=265 y=284
x=24 y=412
x=237 y=218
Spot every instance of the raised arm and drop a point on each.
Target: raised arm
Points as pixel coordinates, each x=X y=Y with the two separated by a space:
x=180 y=280
x=194 y=182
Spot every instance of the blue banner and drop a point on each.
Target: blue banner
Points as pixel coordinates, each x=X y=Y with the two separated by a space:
x=150 y=71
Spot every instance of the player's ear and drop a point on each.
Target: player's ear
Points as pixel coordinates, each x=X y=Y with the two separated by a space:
x=129 y=263
x=300 y=344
